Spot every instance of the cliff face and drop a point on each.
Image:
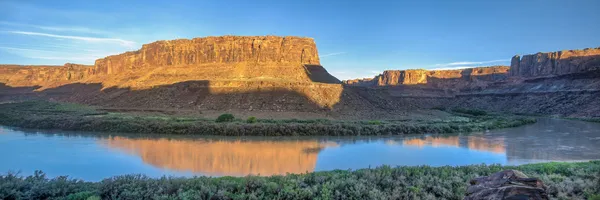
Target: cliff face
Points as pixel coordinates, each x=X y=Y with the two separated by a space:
x=433 y=77
x=269 y=73
x=290 y=59
x=38 y=75
x=556 y=63
x=213 y=50
x=274 y=73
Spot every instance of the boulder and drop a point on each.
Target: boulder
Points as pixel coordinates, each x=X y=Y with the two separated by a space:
x=507 y=184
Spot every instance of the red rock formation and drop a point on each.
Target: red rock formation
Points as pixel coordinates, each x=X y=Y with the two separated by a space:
x=39 y=75
x=268 y=65
x=289 y=59
x=556 y=63
x=213 y=50
x=421 y=76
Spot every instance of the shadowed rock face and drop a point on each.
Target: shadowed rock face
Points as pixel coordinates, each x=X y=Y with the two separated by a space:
x=556 y=63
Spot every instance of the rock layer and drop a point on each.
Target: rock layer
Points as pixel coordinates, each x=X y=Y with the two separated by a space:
x=556 y=63
x=264 y=58
x=39 y=75
x=275 y=73
x=422 y=77
x=268 y=73
x=213 y=50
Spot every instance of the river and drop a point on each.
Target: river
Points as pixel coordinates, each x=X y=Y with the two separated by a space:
x=94 y=156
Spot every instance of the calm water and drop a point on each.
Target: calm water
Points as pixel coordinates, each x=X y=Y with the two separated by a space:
x=95 y=156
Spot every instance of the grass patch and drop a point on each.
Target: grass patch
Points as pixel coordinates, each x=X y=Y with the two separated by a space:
x=47 y=115
x=251 y=120
x=564 y=181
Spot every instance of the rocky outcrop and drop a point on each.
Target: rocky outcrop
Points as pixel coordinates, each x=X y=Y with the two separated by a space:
x=243 y=58
x=508 y=184
x=555 y=63
x=270 y=73
x=38 y=75
x=245 y=72
x=436 y=77
x=213 y=50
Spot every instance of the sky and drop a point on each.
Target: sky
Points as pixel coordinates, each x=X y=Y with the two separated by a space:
x=355 y=38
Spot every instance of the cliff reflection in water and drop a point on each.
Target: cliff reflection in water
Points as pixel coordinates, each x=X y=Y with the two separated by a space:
x=547 y=140
x=493 y=145
x=224 y=157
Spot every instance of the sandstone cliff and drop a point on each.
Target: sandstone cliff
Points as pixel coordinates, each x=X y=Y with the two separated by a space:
x=207 y=72
x=556 y=63
x=283 y=74
x=433 y=77
x=210 y=50
x=242 y=58
x=42 y=75
x=213 y=58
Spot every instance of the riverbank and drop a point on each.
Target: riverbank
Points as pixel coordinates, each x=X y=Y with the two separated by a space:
x=74 y=117
x=592 y=119
x=564 y=181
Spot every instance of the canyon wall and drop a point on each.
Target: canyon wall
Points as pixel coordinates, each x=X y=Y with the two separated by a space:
x=245 y=72
x=210 y=50
x=243 y=58
x=555 y=63
x=565 y=83
x=213 y=58
x=433 y=77
x=37 y=75
x=528 y=66
x=283 y=74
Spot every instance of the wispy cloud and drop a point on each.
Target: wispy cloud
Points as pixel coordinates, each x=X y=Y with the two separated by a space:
x=125 y=43
x=332 y=54
x=468 y=63
x=347 y=75
x=452 y=68
x=58 y=28
x=72 y=58
x=54 y=55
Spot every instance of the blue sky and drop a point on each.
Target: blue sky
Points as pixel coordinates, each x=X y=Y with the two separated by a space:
x=355 y=38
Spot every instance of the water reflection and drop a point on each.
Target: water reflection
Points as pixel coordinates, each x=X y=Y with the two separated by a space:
x=472 y=142
x=95 y=156
x=224 y=157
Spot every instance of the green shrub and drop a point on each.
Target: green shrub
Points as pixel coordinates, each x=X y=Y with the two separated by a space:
x=251 y=120
x=225 y=118
x=594 y=197
x=564 y=181
x=374 y=122
x=70 y=117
